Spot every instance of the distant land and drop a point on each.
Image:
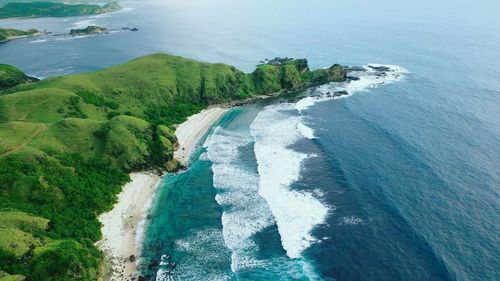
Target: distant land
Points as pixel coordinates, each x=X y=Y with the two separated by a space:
x=48 y=9
x=9 y=34
x=93 y=29
x=119 y=119
x=3 y=2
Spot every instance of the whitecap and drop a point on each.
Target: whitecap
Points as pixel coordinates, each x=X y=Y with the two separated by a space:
x=66 y=38
x=350 y=220
x=296 y=212
x=305 y=131
x=245 y=212
x=368 y=76
x=203 y=157
x=83 y=23
x=205 y=248
x=304 y=103
x=38 y=41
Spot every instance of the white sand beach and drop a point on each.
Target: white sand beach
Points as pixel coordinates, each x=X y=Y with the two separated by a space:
x=190 y=132
x=122 y=226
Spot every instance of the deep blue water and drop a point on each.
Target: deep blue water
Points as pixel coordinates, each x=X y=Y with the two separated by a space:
x=401 y=181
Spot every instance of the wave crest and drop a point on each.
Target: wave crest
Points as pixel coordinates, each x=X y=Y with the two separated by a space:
x=296 y=212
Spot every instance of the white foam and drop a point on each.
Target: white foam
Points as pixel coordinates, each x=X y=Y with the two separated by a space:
x=350 y=220
x=245 y=212
x=38 y=41
x=203 y=157
x=83 y=23
x=205 y=248
x=369 y=78
x=305 y=131
x=304 y=103
x=66 y=38
x=296 y=213
x=100 y=16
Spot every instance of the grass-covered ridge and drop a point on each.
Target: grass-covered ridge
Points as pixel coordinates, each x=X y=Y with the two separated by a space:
x=4 y=2
x=50 y=9
x=7 y=34
x=11 y=76
x=67 y=144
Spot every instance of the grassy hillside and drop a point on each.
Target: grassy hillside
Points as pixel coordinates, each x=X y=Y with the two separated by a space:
x=3 y=2
x=67 y=144
x=7 y=34
x=11 y=76
x=50 y=9
x=286 y=74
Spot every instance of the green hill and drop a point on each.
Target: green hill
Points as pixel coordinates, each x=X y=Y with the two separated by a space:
x=51 y=9
x=67 y=145
x=7 y=34
x=3 y=2
x=11 y=76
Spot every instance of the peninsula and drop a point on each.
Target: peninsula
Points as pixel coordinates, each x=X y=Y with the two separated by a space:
x=68 y=145
x=7 y=34
x=11 y=76
x=48 y=9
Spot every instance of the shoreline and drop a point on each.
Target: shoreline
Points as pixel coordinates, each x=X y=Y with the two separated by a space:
x=8 y=39
x=123 y=226
x=193 y=129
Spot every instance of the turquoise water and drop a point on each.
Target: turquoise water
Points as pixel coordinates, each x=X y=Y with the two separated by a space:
x=398 y=181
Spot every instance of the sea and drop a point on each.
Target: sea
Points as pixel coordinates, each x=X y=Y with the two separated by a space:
x=398 y=180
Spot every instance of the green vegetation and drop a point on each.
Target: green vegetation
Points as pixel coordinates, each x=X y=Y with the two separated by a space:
x=8 y=34
x=286 y=74
x=92 y=29
x=3 y=2
x=11 y=76
x=67 y=145
x=50 y=9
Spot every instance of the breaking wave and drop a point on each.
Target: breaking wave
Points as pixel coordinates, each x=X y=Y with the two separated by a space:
x=245 y=212
x=275 y=129
x=360 y=79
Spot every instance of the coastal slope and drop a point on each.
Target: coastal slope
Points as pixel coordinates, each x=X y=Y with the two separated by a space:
x=49 y=9
x=67 y=145
x=7 y=34
x=11 y=76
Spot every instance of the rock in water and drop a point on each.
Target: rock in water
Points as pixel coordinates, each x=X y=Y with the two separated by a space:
x=93 y=29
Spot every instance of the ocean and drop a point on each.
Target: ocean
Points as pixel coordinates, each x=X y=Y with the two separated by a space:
x=400 y=180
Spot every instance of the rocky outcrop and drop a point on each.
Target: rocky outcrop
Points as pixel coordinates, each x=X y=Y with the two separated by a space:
x=93 y=29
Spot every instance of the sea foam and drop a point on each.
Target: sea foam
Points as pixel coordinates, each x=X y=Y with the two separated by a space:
x=275 y=129
x=207 y=254
x=245 y=212
x=38 y=41
x=367 y=77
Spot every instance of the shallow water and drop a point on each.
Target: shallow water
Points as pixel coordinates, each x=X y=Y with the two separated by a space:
x=395 y=182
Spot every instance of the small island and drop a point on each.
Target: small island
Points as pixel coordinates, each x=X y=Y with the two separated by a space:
x=7 y=34
x=48 y=9
x=92 y=29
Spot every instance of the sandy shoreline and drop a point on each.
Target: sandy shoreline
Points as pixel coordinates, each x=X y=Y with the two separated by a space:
x=190 y=132
x=123 y=225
